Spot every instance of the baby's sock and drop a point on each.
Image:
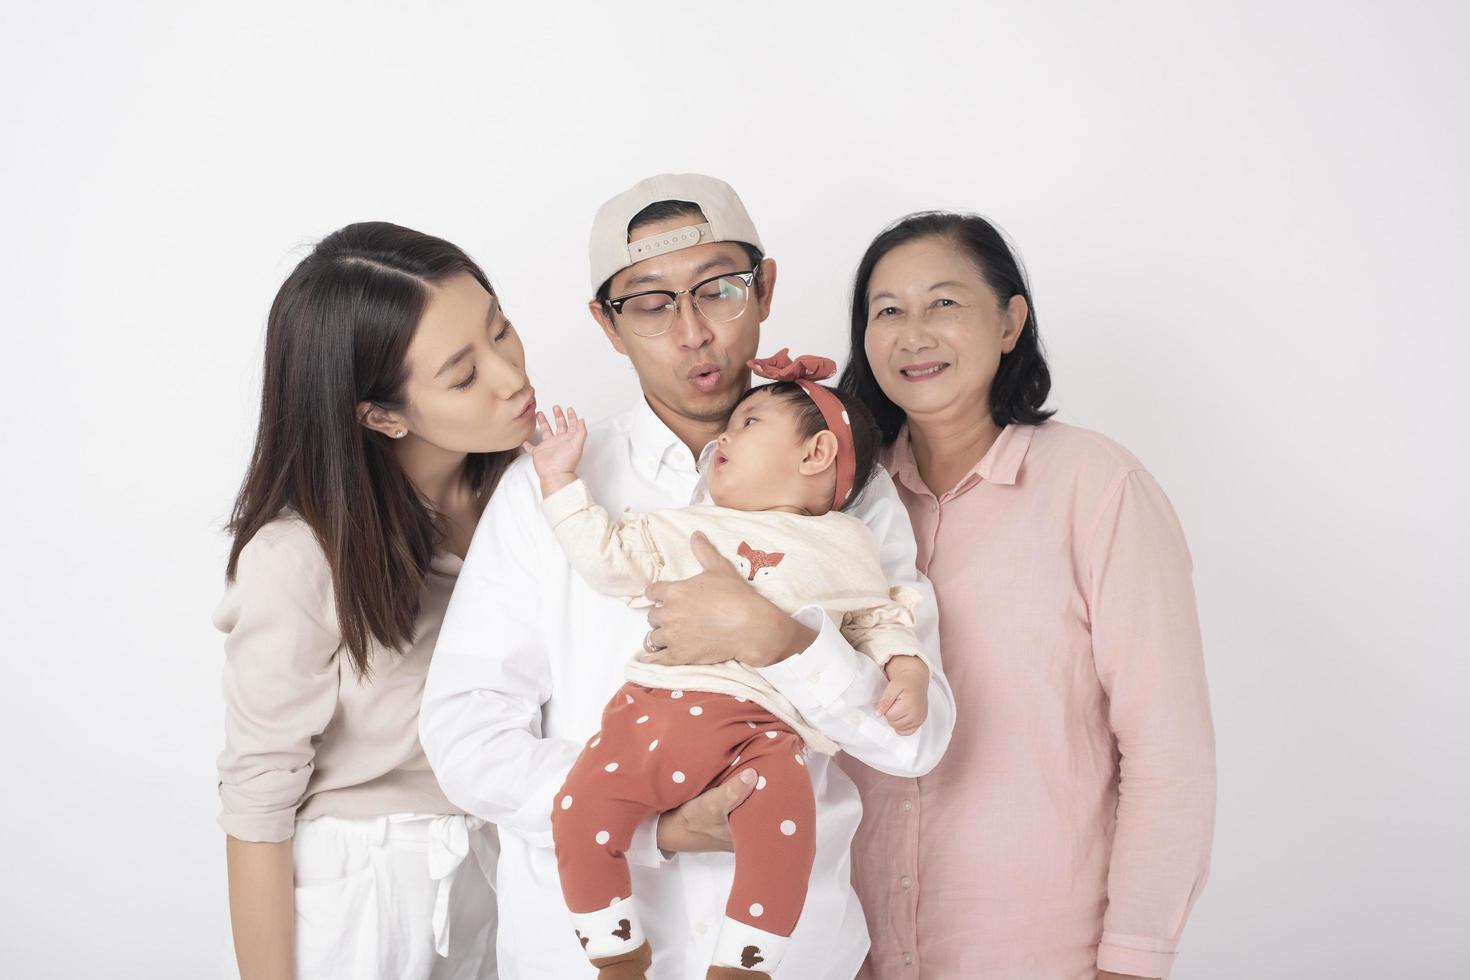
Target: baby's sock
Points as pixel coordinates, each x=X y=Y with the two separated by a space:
x=745 y=951
x=613 y=937
x=625 y=966
x=732 y=973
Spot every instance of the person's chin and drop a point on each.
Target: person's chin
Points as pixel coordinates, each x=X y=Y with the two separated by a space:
x=508 y=437
x=714 y=406
x=724 y=497
x=922 y=399
x=717 y=479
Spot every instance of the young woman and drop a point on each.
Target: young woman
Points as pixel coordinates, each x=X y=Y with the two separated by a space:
x=395 y=395
x=1066 y=833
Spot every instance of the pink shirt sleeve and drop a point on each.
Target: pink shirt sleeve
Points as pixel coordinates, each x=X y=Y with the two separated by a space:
x=1150 y=661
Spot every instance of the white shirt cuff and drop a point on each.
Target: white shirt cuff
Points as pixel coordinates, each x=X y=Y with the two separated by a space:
x=817 y=677
x=643 y=850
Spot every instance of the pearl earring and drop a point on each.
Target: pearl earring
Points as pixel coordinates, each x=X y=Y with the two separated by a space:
x=400 y=433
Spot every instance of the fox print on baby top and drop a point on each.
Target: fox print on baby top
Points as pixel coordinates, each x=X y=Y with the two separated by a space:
x=754 y=562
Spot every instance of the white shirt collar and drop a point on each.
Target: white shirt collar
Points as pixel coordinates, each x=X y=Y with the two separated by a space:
x=654 y=443
x=701 y=489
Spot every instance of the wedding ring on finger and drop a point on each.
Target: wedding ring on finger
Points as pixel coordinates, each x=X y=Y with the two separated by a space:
x=648 y=645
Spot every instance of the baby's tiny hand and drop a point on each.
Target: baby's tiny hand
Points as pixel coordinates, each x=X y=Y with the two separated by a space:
x=905 y=701
x=560 y=450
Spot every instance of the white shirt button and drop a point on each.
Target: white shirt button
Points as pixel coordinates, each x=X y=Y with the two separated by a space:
x=907 y=959
x=906 y=881
x=906 y=805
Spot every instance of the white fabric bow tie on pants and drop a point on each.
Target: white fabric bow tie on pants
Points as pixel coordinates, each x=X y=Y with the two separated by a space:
x=396 y=897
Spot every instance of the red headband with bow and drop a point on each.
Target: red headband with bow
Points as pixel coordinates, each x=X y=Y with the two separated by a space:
x=804 y=371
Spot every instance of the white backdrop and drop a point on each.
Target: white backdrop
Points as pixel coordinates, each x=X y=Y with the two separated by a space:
x=1247 y=230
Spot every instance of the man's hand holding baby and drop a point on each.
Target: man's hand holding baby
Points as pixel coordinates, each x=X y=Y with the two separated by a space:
x=718 y=616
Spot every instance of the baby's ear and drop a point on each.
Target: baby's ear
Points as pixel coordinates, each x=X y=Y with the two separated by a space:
x=819 y=453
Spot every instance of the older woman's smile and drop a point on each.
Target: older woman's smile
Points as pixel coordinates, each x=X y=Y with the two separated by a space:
x=923 y=372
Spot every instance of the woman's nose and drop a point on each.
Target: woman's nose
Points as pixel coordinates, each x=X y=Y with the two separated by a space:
x=507 y=379
x=915 y=334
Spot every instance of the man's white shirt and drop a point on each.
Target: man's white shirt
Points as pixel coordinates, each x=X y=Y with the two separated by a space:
x=528 y=657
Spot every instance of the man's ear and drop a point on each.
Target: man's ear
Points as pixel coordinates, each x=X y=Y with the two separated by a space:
x=766 y=283
x=1015 y=321
x=604 y=319
x=819 y=454
x=379 y=419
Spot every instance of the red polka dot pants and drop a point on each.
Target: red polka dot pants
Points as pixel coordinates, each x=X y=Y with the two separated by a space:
x=657 y=750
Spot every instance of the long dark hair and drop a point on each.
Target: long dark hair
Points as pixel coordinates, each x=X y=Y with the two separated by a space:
x=1022 y=381
x=337 y=335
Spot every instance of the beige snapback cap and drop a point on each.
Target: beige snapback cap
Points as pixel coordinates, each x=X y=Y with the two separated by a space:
x=725 y=221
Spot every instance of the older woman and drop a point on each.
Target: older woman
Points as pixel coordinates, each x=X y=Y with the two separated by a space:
x=1066 y=834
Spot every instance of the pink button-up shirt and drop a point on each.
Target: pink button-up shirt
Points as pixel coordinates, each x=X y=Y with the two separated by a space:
x=1068 y=827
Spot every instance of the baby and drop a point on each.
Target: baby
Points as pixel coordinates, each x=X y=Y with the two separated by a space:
x=781 y=474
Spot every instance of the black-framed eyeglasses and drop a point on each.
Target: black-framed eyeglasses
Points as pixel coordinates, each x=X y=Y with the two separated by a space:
x=718 y=299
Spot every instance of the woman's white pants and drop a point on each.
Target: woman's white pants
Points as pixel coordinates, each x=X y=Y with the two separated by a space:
x=401 y=897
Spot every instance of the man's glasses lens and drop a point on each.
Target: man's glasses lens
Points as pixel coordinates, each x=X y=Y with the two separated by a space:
x=721 y=300
x=718 y=300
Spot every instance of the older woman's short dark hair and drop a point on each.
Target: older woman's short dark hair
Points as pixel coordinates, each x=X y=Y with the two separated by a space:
x=1022 y=382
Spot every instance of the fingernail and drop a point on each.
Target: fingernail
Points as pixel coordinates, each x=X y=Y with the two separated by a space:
x=747 y=777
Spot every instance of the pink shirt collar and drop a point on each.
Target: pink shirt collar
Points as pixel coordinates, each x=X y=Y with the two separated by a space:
x=1000 y=465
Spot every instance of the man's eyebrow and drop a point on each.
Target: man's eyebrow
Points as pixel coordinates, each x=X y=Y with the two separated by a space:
x=709 y=265
x=636 y=281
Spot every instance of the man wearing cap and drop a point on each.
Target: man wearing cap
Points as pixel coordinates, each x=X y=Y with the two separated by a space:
x=529 y=654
